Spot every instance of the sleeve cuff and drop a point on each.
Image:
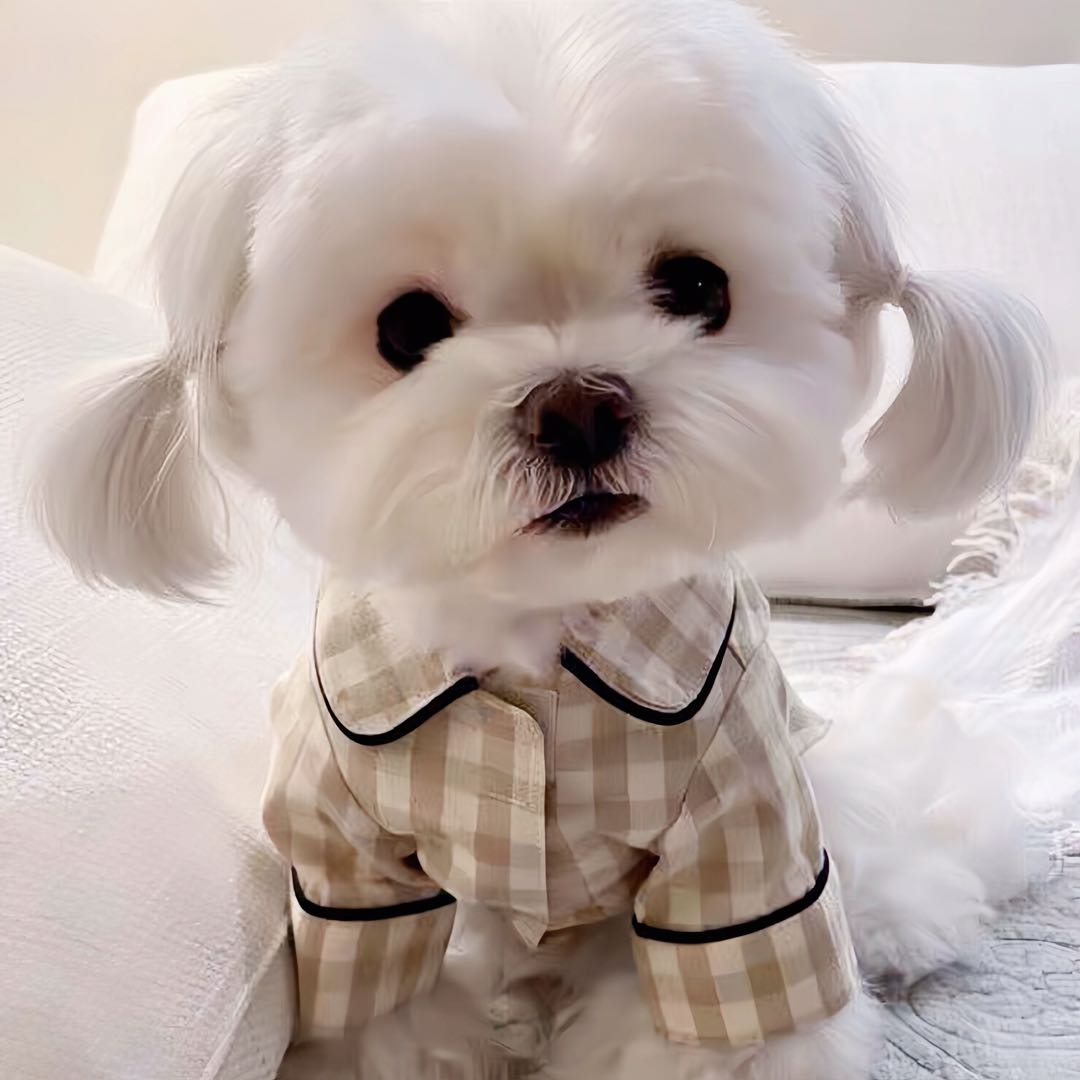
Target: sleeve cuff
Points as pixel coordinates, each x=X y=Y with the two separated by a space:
x=735 y=986
x=354 y=964
x=367 y=914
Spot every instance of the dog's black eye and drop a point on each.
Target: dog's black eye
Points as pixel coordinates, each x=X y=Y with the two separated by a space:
x=410 y=325
x=690 y=287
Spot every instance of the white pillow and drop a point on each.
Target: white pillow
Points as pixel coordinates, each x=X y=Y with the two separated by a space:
x=989 y=162
x=144 y=910
x=170 y=124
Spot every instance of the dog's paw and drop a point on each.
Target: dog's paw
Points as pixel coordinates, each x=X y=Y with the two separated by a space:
x=844 y=1047
x=914 y=919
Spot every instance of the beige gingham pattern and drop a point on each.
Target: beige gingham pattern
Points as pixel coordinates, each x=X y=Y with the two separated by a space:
x=746 y=844
x=735 y=992
x=347 y=971
x=559 y=804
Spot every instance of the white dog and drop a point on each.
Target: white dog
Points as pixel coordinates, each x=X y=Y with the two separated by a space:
x=513 y=308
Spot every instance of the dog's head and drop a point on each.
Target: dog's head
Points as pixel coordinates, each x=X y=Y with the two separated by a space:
x=555 y=299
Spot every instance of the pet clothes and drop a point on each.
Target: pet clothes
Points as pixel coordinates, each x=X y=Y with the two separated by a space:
x=656 y=771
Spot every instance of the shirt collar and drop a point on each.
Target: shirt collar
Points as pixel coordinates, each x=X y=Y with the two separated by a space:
x=654 y=655
x=375 y=686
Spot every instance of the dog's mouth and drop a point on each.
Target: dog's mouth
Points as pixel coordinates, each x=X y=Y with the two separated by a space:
x=590 y=513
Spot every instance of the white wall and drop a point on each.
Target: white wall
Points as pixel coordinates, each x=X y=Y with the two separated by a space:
x=73 y=71
x=935 y=31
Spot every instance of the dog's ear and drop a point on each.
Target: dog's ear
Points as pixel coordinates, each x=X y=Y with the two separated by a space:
x=121 y=485
x=981 y=372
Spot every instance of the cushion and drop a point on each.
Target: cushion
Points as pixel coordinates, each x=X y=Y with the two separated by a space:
x=988 y=166
x=144 y=909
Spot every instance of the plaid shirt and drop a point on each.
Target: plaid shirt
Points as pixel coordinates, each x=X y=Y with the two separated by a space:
x=655 y=769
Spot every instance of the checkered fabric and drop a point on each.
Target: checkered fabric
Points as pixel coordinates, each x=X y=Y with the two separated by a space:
x=655 y=769
x=744 y=850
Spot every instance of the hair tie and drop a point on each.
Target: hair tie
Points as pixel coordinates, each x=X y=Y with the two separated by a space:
x=899 y=286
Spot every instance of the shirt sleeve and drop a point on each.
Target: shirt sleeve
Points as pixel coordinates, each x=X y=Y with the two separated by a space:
x=370 y=928
x=739 y=931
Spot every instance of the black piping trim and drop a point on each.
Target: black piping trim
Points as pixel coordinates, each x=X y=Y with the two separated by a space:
x=726 y=933
x=587 y=677
x=392 y=911
x=465 y=685
x=883 y=607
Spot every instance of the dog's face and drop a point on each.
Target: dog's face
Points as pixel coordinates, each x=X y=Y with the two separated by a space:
x=551 y=301
x=561 y=322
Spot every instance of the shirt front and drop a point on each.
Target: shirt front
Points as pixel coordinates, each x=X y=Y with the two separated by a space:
x=655 y=770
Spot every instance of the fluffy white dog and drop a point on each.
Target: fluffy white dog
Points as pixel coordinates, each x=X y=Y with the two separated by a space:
x=516 y=307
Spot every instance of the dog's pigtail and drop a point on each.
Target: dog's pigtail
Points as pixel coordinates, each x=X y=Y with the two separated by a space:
x=979 y=383
x=981 y=372
x=122 y=487
x=122 y=490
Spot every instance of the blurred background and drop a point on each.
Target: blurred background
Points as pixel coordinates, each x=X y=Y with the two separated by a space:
x=72 y=73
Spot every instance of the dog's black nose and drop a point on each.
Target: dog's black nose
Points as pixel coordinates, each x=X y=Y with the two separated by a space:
x=578 y=421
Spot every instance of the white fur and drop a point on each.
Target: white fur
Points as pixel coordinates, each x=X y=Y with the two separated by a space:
x=528 y=160
x=126 y=496
x=977 y=351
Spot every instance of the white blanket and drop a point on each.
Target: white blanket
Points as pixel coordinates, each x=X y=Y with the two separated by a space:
x=1002 y=655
